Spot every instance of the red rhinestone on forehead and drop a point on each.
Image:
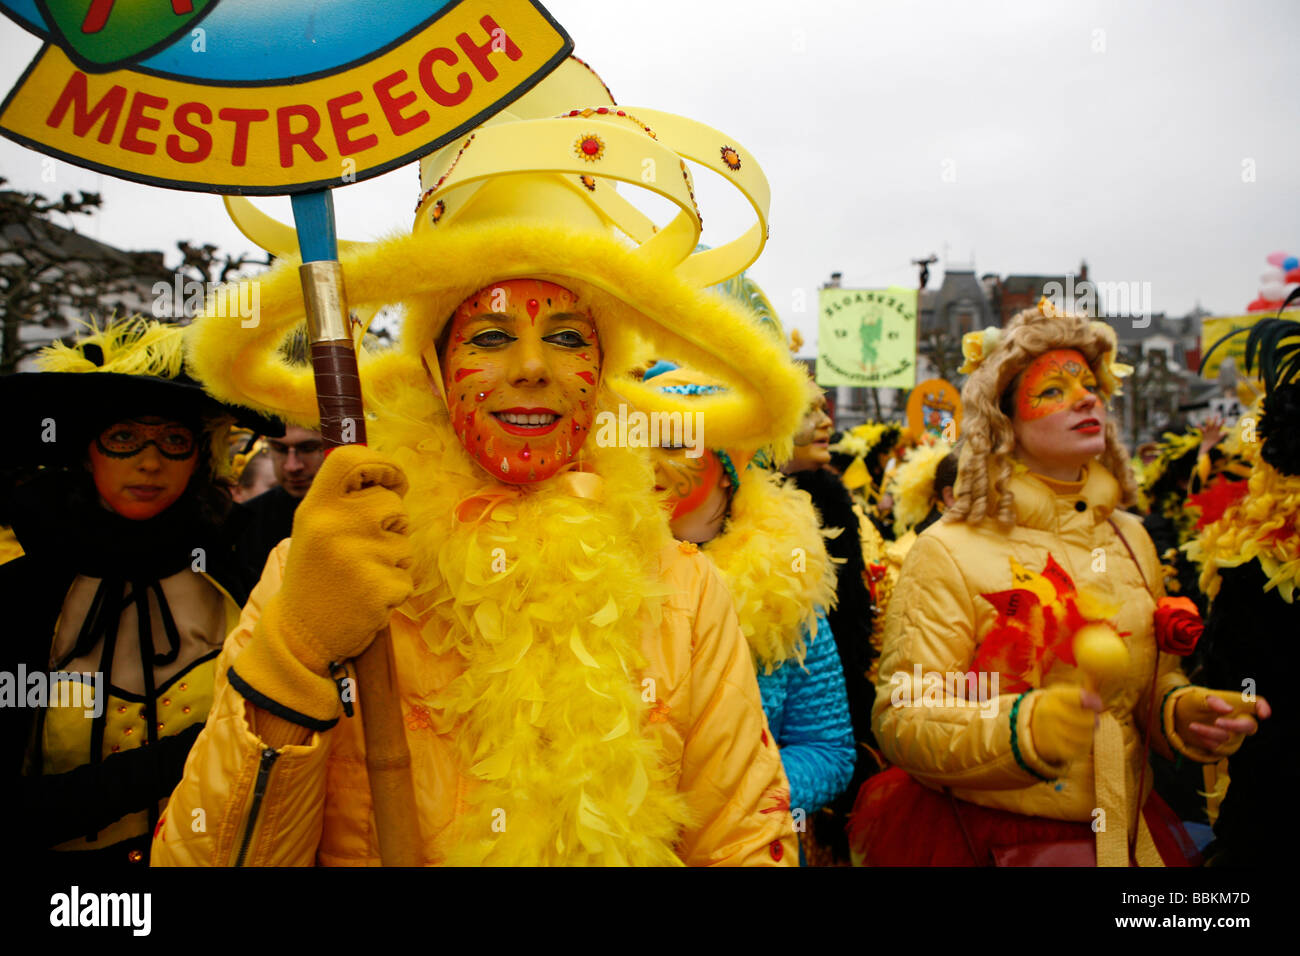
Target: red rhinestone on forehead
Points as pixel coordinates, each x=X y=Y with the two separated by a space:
x=533 y=306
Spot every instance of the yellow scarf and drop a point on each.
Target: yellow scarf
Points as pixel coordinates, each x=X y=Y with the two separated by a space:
x=544 y=595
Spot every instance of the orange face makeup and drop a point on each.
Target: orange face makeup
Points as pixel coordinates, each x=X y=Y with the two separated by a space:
x=521 y=370
x=141 y=466
x=688 y=481
x=1054 y=382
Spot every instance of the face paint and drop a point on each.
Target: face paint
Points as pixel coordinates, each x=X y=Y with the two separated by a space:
x=812 y=440
x=1054 y=382
x=688 y=481
x=522 y=369
x=140 y=467
x=1059 y=420
x=127 y=439
x=812 y=420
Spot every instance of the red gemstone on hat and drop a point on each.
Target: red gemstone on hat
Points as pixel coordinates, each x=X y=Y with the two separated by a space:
x=776 y=849
x=602 y=109
x=590 y=147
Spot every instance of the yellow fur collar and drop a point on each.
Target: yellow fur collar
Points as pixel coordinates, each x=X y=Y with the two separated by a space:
x=543 y=595
x=773 y=557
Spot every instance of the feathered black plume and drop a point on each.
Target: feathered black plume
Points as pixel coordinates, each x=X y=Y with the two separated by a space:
x=1274 y=348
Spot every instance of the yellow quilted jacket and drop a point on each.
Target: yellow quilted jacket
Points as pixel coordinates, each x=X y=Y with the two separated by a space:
x=937 y=620
x=313 y=802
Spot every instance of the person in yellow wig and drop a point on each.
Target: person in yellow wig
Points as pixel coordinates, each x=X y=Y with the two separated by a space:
x=576 y=690
x=1023 y=677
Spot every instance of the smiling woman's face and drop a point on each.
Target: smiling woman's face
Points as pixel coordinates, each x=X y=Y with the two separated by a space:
x=140 y=466
x=1059 y=418
x=521 y=370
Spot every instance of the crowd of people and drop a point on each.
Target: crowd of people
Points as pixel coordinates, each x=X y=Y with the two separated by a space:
x=776 y=645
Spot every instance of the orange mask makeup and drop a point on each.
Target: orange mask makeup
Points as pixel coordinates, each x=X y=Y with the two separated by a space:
x=688 y=481
x=140 y=468
x=521 y=370
x=1054 y=382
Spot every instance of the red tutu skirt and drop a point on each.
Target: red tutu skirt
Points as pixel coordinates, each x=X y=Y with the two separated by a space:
x=898 y=822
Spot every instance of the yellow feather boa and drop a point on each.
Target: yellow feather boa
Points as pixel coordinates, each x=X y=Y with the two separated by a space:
x=912 y=484
x=773 y=557
x=544 y=595
x=1246 y=532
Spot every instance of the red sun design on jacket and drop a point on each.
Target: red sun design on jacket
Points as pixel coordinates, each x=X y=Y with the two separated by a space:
x=1035 y=626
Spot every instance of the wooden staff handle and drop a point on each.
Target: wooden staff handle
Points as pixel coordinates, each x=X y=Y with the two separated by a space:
x=342 y=419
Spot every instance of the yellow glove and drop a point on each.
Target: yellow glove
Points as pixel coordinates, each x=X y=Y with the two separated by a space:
x=1208 y=732
x=348 y=568
x=1062 y=722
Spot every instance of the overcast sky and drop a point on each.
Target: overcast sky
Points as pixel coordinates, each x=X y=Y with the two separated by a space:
x=1012 y=137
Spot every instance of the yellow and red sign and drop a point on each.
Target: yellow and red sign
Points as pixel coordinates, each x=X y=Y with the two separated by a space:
x=1215 y=330
x=352 y=120
x=935 y=407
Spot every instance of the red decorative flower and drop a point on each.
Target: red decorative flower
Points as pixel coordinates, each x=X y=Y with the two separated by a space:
x=1178 y=626
x=590 y=147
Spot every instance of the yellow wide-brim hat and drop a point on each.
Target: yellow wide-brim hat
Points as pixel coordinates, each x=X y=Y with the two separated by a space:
x=531 y=193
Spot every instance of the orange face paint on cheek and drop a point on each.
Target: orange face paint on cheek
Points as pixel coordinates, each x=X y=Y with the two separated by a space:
x=1054 y=382
x=688 y=481
x=486 y=393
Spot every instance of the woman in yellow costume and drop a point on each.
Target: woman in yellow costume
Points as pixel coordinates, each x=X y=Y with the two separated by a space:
x=575 y=689
x=1021 y=670
x=765 y=538
x=123 y=594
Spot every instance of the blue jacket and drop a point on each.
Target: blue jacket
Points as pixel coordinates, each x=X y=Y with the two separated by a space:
x=808 y=712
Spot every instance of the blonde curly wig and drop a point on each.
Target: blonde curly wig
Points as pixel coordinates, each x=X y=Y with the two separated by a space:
x=985 y=467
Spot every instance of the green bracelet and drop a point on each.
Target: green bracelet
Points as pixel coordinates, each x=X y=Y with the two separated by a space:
x=1015 y=740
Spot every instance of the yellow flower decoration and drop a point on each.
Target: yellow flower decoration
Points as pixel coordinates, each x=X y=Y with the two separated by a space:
x=976 y=346
x=1050 y=310
x=1110 y=372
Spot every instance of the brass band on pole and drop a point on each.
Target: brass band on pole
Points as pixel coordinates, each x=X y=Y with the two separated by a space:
x=326 y=301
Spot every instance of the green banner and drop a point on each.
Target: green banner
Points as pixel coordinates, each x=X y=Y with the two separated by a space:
x=867 y=337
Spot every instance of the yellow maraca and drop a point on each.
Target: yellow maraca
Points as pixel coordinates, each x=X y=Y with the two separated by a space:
x=1100 y=653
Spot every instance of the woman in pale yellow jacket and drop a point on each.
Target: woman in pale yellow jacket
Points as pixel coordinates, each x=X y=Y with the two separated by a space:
x=575 y=688
x=1005 y=749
